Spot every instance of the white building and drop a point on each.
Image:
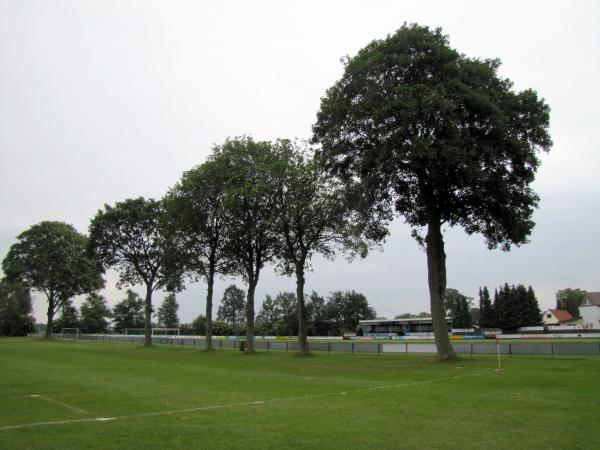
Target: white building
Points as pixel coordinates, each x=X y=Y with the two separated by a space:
x=556 y=317
x=590 y=310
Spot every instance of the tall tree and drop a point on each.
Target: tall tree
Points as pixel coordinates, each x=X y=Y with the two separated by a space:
x=318 y=322
x=52 y=258
x=570 y=300
x=461 y=317
x=94 y=312
x=286 y=314
x=167 y=312
x=311 y=218
x=68 y=318
x=15 y=309
x=532 y=313
x=344 y=310
x=417 y=128
x=452 y=297
x=231 y=309
x=266 y=317
x=196 y=206
x=129 y=312
x=132 y=238
x=486 y=317
x=251 y=240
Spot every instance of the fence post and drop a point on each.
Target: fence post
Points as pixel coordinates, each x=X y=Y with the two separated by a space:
x=287 y=346
x=471 y=348
x=329 y=347
x=378 y=348
x=510 y=350
x=353 y=348
x=552 y=347
x=268 y=345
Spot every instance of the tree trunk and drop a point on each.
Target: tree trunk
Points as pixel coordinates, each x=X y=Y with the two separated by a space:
x=302 y=319
x=209 y=304
x=50 y=317
x=250 y=317
x=148 y=318
x=436 y=271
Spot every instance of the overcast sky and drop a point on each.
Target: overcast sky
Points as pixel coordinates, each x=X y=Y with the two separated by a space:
x=105 y=100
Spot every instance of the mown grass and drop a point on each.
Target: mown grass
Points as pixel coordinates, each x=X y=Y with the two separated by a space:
x=275 y=400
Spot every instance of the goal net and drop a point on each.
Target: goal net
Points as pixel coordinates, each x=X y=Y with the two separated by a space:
x=165 y=331
x=70 y=333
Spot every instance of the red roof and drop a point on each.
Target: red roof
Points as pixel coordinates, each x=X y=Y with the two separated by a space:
x=561 y=316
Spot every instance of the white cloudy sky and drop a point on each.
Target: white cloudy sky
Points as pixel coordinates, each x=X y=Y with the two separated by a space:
x=105 y=100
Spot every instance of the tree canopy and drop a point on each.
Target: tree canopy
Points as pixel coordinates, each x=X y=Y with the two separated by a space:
x=251 y=242
x=132 y=238
x=231 y=309
x=94 y=312
x=417 y=129
x=199 y=227
x=52 y=258
x=129 y=312
x=311 y=217
x=570 y=300
x=15 y=309
x=167 y=312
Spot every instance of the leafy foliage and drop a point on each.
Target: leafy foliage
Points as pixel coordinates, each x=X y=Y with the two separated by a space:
x=199 y=227
x=231 y=309
x=311 y=217
x=515 y=307
x=251 y=241
x=69 y=318
x=167 y=312
x=132 y=237
x=417 y=129
x=487 y=318
x=129 y=312
x=452 y=299
x=94 y=312
x=15 y=309
x=345 y=309
x=570 y=300
x=52 y=258
x=461 y=317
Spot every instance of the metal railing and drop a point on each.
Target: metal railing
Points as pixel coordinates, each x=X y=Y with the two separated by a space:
x=466 y=348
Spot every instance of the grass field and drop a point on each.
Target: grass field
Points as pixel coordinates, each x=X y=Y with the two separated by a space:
x=87 y=395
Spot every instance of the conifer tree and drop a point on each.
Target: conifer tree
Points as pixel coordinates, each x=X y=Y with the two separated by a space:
x=486 y=315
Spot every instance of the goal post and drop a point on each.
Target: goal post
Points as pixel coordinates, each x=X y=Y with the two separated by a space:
x=70 y=333
x=134 y=331
x=158 y=331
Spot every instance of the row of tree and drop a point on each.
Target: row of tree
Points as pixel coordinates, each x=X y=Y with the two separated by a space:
x=278 y=316
x=513 y=307
x=15 y=309
x=94 y=314
x=413 y=128
x=340 y=312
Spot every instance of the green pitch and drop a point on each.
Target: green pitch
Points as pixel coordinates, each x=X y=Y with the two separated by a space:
x=86 y=395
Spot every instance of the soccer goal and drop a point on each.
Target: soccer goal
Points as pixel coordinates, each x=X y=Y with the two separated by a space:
x=70 y=333
x=134 y=331
x=165 y=331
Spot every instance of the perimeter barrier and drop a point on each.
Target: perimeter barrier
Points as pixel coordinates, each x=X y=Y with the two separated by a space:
x=464 y=348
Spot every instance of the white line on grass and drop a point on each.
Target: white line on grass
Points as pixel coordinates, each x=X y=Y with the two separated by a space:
x=231 y=405
x=64 y=405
